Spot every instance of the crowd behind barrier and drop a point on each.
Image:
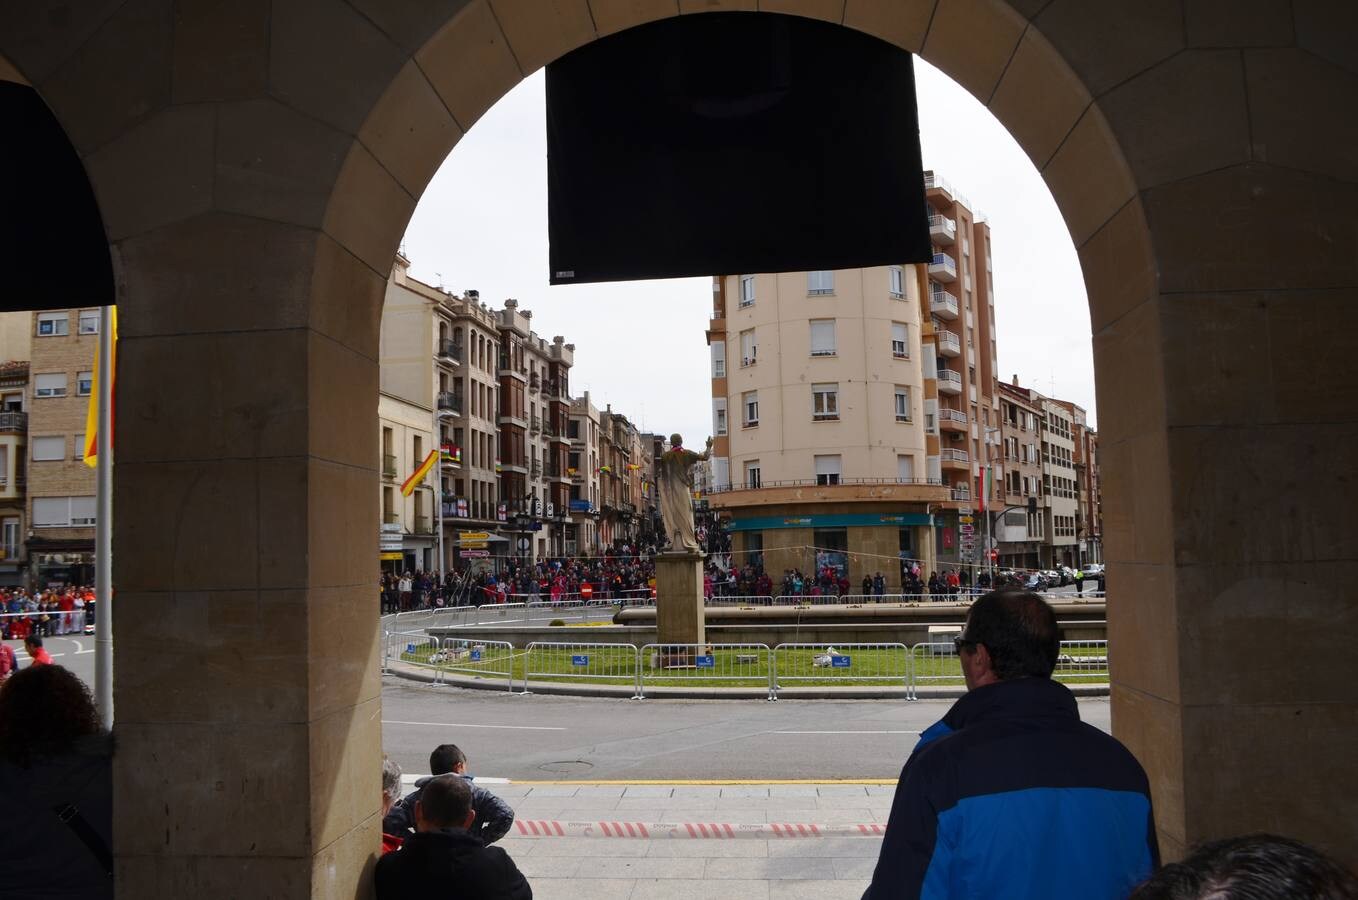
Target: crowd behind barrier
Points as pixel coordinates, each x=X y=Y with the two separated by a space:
x=714 y=665
x=49 y=613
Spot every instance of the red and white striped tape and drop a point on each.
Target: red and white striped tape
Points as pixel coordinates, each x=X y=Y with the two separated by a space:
x=545 y=828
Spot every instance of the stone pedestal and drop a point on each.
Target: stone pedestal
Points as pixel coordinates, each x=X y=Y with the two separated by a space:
x=679 y=614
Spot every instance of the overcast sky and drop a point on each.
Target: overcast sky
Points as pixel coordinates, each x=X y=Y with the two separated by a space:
x=482 y=224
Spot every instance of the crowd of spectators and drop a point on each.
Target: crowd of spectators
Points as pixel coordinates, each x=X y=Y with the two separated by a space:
x=49 y=613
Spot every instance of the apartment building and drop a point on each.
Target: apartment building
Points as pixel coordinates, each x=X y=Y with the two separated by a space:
x=1059 y=490
x=1088 y=494
x=960 y=368
x=621 y=463
x=408 y=540
x=1018 y=525
x=582 y=466
x=59 y=497
x=13 y=468
x=821 y=453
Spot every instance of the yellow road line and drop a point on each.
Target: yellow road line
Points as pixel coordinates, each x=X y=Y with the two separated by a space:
x=713 y=781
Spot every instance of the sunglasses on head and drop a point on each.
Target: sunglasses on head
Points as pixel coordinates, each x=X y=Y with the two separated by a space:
x=959 y=642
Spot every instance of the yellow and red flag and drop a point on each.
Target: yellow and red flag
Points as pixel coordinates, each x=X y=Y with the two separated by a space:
x=91 y=448
x=408 y=487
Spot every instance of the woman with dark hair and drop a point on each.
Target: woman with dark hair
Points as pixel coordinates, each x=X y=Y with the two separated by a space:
x=56 y=778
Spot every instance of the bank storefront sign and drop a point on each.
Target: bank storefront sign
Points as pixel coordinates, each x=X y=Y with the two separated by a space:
x=389 y=538
x=842 y=520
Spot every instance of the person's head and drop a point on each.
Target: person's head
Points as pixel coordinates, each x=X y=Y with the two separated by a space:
x=448 y=759
x=676 y=440
x=1009 y=634
x=43 y=711
x=1251 y=867
x=445 y=802
x=391 y=784
x=33 y=641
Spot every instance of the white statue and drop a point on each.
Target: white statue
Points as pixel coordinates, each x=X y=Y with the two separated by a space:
x=674 y=481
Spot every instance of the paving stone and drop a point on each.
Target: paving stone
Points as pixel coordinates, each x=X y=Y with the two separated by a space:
x=829 y=848
x=815 y=889
x=587 y=848
x=534 y=866
x=842 y=790
x=581 y=888
x=771 y=868
x=648 y=867
x=792 y=790
x=742 y=848
x=552 y=790
x=745 y=791
x=649 y=791
x=690 y=889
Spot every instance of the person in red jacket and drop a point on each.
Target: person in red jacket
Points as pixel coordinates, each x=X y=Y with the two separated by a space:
x=40 y=657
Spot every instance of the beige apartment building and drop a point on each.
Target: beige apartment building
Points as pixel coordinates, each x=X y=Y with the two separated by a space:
x=1088 y=492
x=854 y=411
x=582 y=467
x=13 y=468
x=1018 y=525
x=59 y=500
x=408 y=539
x=1059 y=489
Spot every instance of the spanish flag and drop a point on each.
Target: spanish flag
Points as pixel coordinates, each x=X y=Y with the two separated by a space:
x=414 y=480
x=91 y=448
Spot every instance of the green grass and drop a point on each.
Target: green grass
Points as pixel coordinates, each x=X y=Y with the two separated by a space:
x=867 y=667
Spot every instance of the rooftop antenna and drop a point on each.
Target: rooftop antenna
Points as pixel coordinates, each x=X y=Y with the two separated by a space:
x=439 y=275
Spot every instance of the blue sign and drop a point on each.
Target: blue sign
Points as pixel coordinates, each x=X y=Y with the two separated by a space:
x=476 y=656
x=705 y=662
x=840 y=662
x=581 y=505
x=410 y=648
x=580 y=660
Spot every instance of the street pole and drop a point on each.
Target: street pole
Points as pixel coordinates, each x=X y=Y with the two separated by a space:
x=103 y=527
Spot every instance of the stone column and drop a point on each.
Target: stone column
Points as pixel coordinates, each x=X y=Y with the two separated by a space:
x=679 y=609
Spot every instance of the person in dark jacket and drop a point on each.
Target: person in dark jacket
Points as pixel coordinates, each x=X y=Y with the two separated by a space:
x=494 y=817
x=1011 y=795
x=56 y=778
x=443 y=858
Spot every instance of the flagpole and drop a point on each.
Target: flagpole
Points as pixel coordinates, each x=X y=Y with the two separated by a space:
x=103 y=527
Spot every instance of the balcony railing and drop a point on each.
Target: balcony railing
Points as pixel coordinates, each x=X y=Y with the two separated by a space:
x=765 y=484
x=952 y=415
x=450 y=403
x=943 y=304
x=423 y=525
x=14 y=422
x=961 y=492
x=534 y=382
x=943 y=267
x=536 y=469
x=450 y=351
x=948 y=454
x=390 y=518
x=535 y=424
x=389 y=465
x=942 y=229
x=949 y=344
x=949 y=380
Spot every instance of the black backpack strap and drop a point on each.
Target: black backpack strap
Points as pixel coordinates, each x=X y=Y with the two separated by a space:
x=72 y=819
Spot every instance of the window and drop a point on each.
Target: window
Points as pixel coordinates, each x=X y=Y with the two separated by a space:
x=719 y=416
x=748 y=348
x=895 y=282
x=931 y=417
x=11 y=538
x=902 y=403
x=89 y=321
x=750 y=404
x=905 y=468
x=900 y=337
x=54 y=324
x=824 y=402
x=718 y=359
x=822 y=337
x=84 y=383
x=746 y=290
x=48 y=448
x=752 y=479
x=827 y=469
x=52 y=385
x=820 y=282
x=59 y=512
x=754 y=548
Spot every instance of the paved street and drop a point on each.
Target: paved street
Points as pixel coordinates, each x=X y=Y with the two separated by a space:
x=548 y=737
x=75 y=653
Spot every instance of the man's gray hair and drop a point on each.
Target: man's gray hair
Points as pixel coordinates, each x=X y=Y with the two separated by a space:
x=391 y=779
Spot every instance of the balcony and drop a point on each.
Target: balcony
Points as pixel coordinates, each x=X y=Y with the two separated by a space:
x=949 y=382
x=388 y=465
x=943 y=305
x=954 y=459
x=449 y=404
x=809 y=490
x=949 y=344
x=952 y=420
x=13 y=423
x=449 y=352
x=943 y=267
x=390 y=518
x=535 y=424
x=535 y=469
x=423 y=525
x=450 y=457
x=534 y=382
x=943 y=230
x=961 y=492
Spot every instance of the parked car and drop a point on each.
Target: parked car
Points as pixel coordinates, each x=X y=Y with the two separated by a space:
x=1035 y=581
x=1092 y=569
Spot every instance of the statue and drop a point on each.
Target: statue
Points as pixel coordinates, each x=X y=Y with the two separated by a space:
x=674 y=480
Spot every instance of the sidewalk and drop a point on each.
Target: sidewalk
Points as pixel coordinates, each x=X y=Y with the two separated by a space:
x=681 y=867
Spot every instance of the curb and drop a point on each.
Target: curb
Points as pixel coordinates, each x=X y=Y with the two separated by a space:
x=625 y=692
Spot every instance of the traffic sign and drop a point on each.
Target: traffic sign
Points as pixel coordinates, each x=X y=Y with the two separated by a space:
x=474 y=536
x=965 y=520
x=473 y=554
x=994 y=554
x=523 y=543
x=966 y=529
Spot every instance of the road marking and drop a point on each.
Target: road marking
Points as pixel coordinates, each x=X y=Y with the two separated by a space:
x=844 y=732
x=467 y=725
x=731 y=782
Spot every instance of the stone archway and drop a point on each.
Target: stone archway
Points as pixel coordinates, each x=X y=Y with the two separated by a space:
x=257 y=163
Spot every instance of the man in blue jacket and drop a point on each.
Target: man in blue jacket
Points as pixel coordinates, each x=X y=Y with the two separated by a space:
x=1010 y=794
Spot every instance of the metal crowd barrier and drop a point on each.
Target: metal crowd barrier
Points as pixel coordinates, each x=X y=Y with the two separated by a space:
x=478 y=658
x=740 y=600
x=888 y=663
x=1082 y=661
x=934 y=663
x=705 y=662
x=553 y=660
x=411 y=648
